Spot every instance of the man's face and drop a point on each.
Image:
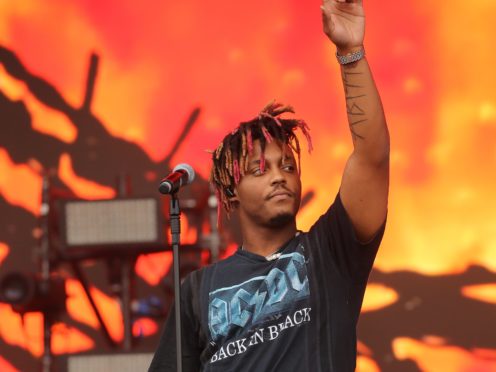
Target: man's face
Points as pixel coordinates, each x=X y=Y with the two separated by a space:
x=271 y=198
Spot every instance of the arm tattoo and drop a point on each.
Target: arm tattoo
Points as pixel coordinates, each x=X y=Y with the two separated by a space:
x=352 y=108
x=355 y=135
x=358 y=122
x=353 y=97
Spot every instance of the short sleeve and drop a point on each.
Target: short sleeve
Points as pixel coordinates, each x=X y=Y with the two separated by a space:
x=335 y=232
x=165 y=355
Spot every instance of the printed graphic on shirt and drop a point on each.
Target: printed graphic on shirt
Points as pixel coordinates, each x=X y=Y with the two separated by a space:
x=255 y=300
x=262 y=335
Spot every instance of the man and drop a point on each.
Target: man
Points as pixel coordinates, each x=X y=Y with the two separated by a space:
x=288 y=300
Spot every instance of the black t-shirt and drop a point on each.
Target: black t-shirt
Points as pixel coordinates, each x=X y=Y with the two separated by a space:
x=297 y=312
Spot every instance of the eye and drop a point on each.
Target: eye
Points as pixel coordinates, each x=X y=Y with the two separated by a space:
x=289 y=167
x=256 y=172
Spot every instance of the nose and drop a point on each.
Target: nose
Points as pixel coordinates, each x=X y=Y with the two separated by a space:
x=277 y=176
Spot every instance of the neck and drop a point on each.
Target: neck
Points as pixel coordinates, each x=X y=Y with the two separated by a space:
x=263 y=240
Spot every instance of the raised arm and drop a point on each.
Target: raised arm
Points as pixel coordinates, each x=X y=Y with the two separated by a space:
x=365 y=182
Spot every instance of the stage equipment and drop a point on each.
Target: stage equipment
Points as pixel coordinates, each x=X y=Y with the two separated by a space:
x=175 y=225
x=28 y=293
x=43 y=291
x=108 y=227
x=151 y=307
x=116 y=230
x=130 y=362
x=181 y=175
x=213 y=239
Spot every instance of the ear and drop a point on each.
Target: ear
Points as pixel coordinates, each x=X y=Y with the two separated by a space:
x=231 y=194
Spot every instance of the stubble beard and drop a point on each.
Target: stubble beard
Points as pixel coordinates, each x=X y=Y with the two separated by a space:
x=281 y=220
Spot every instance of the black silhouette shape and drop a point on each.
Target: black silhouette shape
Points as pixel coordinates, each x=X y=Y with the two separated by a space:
x=96 y=154
x=429 y=306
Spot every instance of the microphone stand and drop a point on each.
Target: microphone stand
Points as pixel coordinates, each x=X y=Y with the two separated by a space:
x=45 y=270
x=181 y=174
x=175 y=224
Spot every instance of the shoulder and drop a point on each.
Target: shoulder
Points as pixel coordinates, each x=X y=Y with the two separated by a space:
x=336 y=220
x=196 y=276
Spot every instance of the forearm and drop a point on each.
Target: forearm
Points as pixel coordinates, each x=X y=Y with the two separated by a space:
x=366 y=118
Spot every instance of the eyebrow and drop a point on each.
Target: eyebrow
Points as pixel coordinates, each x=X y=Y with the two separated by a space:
x=257 y=161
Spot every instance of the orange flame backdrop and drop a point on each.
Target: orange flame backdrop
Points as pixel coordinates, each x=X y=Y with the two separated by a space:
x=433 y=63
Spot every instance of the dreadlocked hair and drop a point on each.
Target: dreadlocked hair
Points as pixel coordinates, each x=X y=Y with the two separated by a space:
x=230 y=158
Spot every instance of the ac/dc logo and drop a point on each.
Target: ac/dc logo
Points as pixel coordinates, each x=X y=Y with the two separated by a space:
x=254 y=300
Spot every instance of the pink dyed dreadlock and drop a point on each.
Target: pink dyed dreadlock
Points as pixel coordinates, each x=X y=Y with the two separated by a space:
x=230 y=158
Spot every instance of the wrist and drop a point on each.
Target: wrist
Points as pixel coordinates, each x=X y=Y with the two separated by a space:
x=354 y=55
x=345 y=50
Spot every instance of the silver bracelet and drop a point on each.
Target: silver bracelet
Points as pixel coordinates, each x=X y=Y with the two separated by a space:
x=351 y=57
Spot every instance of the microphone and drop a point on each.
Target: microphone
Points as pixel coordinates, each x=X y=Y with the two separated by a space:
x=181 y=175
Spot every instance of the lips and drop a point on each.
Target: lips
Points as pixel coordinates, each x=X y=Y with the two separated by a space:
x=280 y=194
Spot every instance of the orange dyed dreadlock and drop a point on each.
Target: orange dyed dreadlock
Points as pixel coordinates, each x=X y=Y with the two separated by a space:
x=230 y=157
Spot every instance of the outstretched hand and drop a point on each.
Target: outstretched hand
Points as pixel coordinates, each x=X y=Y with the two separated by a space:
x=344 y=23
